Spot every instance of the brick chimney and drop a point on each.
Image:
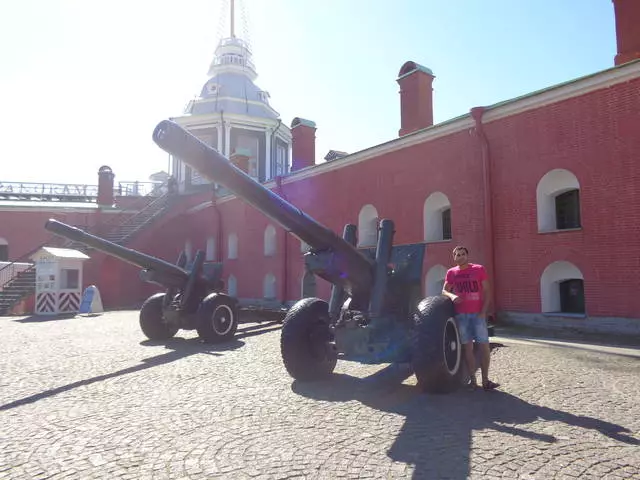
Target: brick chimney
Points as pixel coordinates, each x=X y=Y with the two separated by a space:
x=627 y=14
x=416 y=98
x=105 y=187
x=303 y=143
x=240 y=158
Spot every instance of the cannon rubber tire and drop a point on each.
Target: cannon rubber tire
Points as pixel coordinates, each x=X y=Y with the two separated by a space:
x=151 y=319
x=217 y=304
x=305 y=331
x=436 y=352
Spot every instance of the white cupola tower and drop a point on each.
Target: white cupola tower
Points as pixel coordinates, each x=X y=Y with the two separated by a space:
x=234 y=116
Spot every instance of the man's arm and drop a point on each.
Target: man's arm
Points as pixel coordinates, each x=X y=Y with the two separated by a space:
x=447 y=291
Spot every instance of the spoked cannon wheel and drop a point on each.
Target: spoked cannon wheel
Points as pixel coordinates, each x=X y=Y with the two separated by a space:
x=217 y=318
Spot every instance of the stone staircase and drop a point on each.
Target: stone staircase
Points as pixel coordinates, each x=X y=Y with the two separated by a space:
x=124 y=231
x=18 y=286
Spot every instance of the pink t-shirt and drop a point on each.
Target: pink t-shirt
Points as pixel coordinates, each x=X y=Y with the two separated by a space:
x=467 y=284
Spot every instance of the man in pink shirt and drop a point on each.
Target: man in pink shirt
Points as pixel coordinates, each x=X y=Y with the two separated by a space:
x=467 y=285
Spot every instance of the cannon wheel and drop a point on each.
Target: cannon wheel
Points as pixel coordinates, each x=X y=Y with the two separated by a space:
x=435 y=346
x=217 y=318
x=304 y=342
x=152 y=321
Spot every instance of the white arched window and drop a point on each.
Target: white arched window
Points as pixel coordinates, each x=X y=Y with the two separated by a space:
x=232 y=246
x=4 y=250
x=434 y=280
x=232 y=286
x=562 y=289
x=211 y=249
x=269 y=241
x=558 y=201
x=368 y=226
x=269 y=286
x=436 y=217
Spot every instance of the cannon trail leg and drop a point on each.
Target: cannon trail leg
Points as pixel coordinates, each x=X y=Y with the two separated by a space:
x=337 y=292
x=172 y=291
x=383 y=256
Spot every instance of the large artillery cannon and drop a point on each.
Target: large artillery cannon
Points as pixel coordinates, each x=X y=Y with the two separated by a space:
x=193 y=298
x=375 y=313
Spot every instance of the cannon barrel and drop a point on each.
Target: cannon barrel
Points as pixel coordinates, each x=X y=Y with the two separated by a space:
x=172 y=274
x=351 y=268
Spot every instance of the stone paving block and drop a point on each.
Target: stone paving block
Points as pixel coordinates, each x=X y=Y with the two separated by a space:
x=91 y=398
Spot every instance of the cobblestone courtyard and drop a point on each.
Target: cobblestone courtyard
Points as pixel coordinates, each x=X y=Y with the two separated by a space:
x=91 y=398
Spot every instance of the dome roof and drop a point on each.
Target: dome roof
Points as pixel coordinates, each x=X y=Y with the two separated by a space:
x=230 y=87
x=233 y=93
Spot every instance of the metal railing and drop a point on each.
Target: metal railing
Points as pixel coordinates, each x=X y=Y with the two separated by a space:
x=47 y=189
x=8 y=270
x=140 y=189
x=71 y=190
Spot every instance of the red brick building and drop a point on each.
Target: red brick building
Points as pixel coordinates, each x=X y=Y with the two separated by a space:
x=541 y=188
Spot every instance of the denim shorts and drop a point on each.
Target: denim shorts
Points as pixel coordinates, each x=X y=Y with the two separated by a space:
x=472 y=327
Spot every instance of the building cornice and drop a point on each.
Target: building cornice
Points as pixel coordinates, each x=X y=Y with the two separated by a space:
x=209 y=120
x=534 y=100
x=257 y=103
x=538 y=99
x=564 y=91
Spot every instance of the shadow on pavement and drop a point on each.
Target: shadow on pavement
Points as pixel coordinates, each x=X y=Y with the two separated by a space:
x=178 y=348
x=258 y=329
x=47 y=318
x=437 y=433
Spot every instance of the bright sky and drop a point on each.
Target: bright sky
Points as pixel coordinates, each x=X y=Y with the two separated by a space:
x=83 y=83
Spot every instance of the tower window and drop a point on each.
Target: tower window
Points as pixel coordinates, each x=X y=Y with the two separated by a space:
x=281 y=160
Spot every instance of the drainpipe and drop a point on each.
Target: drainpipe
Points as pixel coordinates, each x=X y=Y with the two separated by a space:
x=272 y=143
x=220 y=237
x=219 y=224
x=285 y=256
x=476 y=114
x=278 y=179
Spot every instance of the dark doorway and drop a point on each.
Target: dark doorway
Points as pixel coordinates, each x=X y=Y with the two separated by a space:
x=572 y=296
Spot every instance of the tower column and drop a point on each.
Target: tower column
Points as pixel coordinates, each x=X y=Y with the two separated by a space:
x=267 y=158
x=227 y=139
x=219 y=131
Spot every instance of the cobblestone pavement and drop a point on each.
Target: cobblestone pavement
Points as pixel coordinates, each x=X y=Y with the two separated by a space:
x=90 y=398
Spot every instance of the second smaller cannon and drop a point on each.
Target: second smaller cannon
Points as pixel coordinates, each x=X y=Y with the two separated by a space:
x=193 y=299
